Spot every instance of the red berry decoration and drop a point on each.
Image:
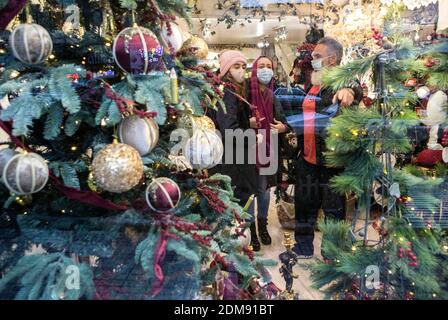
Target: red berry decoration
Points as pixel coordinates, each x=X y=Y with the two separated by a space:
x=137 y=50
x=400 y=253
x=163 y=195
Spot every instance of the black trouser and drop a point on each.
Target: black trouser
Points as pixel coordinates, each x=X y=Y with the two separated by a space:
x=313 y=192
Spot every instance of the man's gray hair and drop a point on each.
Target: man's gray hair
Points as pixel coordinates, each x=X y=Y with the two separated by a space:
x=333 y=46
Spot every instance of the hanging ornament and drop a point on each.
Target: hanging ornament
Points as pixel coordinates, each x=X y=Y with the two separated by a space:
x=140 y=133
x=30 y=43
x=192 y=123
x=172 y=35
x=197 y=47
x=180 y=163
x=5 y=155
x=117 y=168
x=204 y=149
x=25 y=173
x=163 y=195
x=423 y=92
x=136 y=50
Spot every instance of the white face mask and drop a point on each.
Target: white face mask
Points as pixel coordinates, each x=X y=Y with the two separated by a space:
x=238 y=74
x=265 y=75
x=317 y=64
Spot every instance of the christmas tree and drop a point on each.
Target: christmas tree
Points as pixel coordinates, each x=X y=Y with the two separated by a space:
x=91 y=92
x=377 y=144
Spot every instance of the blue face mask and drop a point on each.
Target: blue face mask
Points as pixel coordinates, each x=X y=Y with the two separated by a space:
x=265 y=75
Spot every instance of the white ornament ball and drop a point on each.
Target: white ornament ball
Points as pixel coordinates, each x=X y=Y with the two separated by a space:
x=30 y=43
x=174 y=39
x=25 y=173
x=117 y=168
x=204 y=150
x=5 y=155
x=423 y=92
x=244 y=239
x=140 y=133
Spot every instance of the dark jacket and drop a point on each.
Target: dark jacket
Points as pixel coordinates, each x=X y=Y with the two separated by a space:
x=235 y=115
x=326 y=100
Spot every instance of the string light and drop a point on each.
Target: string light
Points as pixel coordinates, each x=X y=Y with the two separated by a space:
x=74 y=148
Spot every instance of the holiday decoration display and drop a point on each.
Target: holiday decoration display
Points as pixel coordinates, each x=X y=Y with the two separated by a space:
x=197 y=47
x=117 y=168
x=136 y=50
x=25 y=173
x=163 y=195
x=204 y=149
x=172 y=35
x=140 y=133
x=5 y=155
x=96 y=208
x=30 y=43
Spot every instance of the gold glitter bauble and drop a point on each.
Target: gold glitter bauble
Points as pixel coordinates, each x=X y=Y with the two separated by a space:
x=192 y=123
x=117 y=168
x=197 y=47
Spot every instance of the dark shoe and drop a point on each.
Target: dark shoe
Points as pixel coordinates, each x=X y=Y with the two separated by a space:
x=304 y=250
x=263 y=231
x=255 y=244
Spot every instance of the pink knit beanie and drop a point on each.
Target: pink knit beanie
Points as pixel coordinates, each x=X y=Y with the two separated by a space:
x=228 y=58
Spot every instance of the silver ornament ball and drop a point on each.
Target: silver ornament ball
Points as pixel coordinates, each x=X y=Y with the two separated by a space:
x=30 y=43
x=26 y=173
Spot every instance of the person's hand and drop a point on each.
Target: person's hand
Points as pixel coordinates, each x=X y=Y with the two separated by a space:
x=260 y=138
x=346 y=97
x=254 y=123
x=279 y=126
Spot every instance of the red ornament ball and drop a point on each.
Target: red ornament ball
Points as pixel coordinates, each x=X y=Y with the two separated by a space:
x=137 y=50
x=163 y=195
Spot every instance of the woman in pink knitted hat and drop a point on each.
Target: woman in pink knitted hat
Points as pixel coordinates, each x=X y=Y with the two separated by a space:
x=234 y=115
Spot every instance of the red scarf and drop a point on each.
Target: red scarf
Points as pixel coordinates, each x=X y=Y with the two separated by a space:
x=309 y=136
x=264 y=102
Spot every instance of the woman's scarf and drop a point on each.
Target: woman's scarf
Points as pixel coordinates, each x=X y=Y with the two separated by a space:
x=264 y=103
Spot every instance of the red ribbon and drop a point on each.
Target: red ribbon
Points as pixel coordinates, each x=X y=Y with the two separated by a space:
x=159 y=257
x=86 y=197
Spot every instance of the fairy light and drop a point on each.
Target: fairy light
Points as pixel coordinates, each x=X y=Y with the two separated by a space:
x=14 y=74
x=74 y=148
x=51 y=57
